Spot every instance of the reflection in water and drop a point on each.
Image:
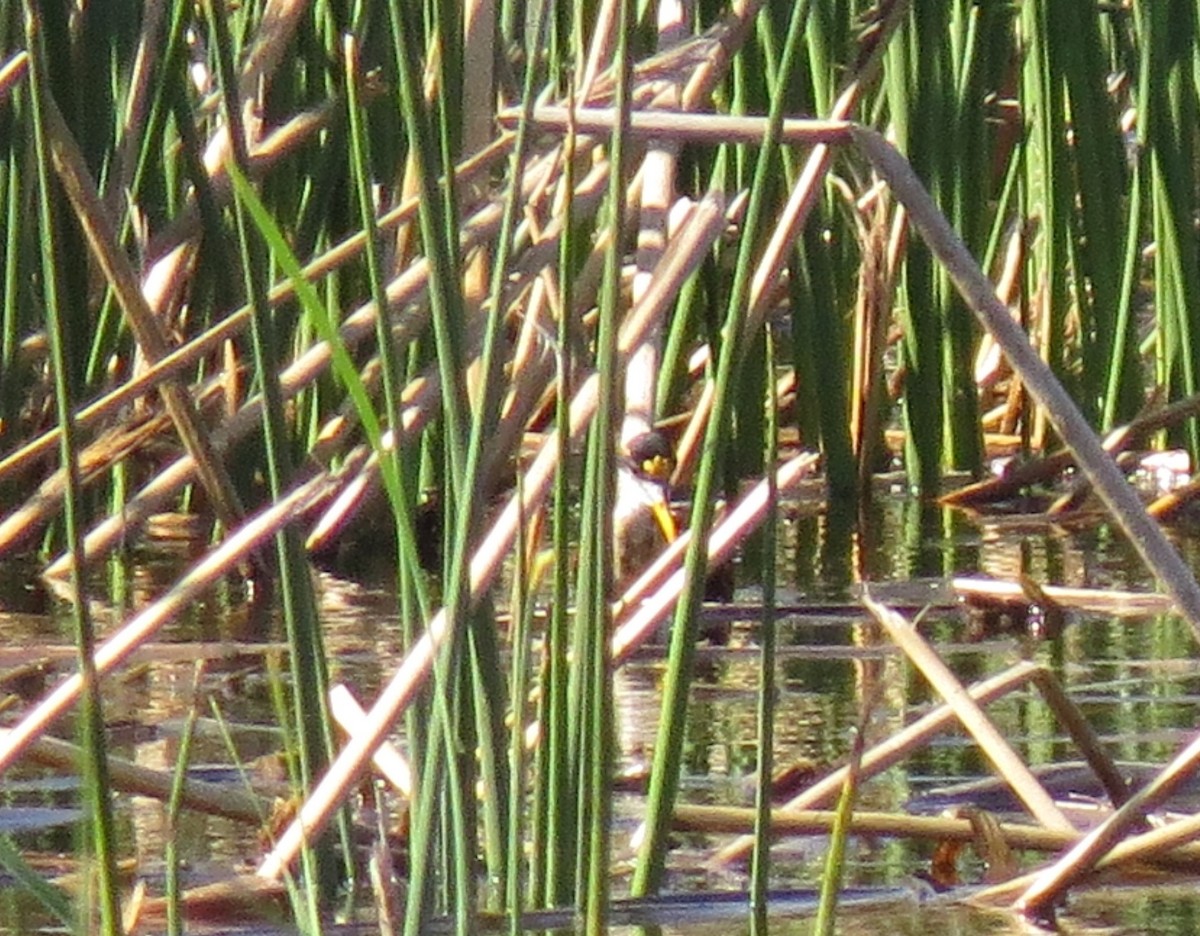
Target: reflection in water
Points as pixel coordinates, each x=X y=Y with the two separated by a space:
x=1135 y=679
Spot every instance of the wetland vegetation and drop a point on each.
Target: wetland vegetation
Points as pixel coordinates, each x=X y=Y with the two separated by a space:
x=397 y=291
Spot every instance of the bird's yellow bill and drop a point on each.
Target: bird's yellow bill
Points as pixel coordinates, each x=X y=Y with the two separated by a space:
x=666 y=521
x=658 y=467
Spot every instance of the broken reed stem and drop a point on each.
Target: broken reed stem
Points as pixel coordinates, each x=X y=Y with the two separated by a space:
x=93 y=219
x=1099 y=844
x=1004 y=759
x=1081 y=731
x=215 y=799
x=311 y=364
x=236 y=548
x=719 y=820
x=889 y=752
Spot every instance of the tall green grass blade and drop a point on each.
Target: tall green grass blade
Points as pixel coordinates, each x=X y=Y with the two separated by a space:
x=94 y=769
x=760 y=860
x=555 y=796
x=463 y=452
x=594 y=613
x=1108 y=353
x=49 y=897
x=664 y=779
x=310 y=680
x=173 y=891
x=835 y=857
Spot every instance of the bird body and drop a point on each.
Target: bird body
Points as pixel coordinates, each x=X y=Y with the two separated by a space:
x=642 y=521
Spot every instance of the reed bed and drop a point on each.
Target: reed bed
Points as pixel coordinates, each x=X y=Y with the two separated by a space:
x=282 y=266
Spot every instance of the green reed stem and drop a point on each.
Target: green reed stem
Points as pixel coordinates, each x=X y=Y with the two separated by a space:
x=410 y=574
x=422 y=834
x=310 y=679
x=10 y=323
x=1121 y=371
x=490 y=704
x=518 y=689
x=1100 y=174
x=172 y=890
x=392 y=472
x=554 y=798
x=597 y=758
x=486 y=416
x=322 y=321
x=440 y=240
x=668 y=751
x=760 y=859
x=835 y=858
x=1045 y=200
x=962 y=173
x=440 y=247
x=94 y=769
x=1170 y=117
x=911 y=82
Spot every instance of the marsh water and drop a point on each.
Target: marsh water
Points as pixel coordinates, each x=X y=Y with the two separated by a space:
x=1136 y=679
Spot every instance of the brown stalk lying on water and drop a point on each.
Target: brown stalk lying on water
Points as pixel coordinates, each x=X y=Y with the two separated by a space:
x=1093 y=850
x=889 y=752
x=1005 y=760
x=739 y=820
x=1104 y=844
x=1099 y=847
x=1048 y=467
x=1102 y=849
x=236 y=548
x=216 y=799
x=1096 y=600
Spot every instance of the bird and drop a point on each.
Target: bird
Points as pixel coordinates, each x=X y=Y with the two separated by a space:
x=642 y=519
